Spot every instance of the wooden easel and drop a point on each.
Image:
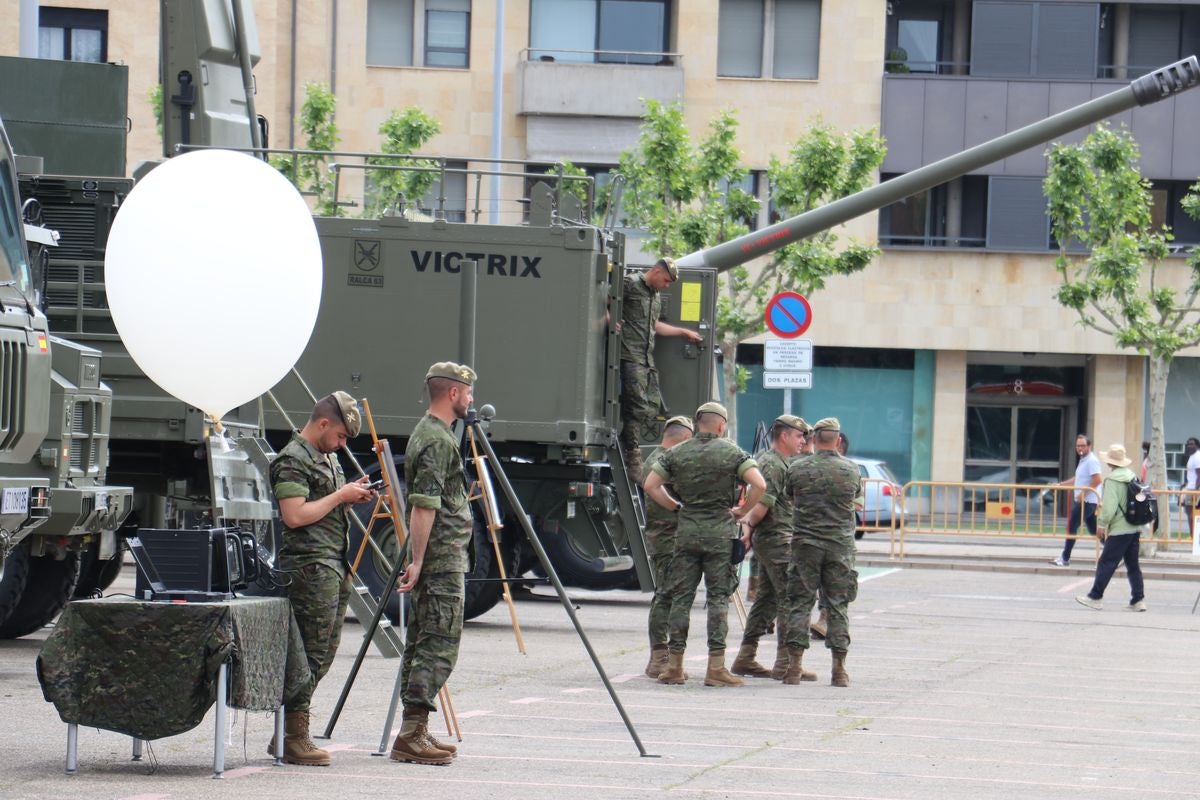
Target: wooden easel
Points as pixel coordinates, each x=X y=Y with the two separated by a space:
x=389 y=505
x=483 y=490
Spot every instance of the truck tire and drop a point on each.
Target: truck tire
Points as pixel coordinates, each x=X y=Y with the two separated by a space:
x=95 y=574
x=484 y=589
x=14 y=573
x=575 y=568
x=47 y=591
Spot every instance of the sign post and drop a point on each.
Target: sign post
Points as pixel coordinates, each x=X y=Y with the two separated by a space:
x=787 y=361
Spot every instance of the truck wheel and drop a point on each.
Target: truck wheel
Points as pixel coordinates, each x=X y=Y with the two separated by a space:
x=484 y=589
x=96 y=575
x=14 y=572
x=576 y=568
x=46 y=593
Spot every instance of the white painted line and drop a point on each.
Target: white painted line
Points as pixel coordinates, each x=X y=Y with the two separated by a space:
x=577 y=691
x=242 y=772
x=875 y=575
x=479 y=712
x=1073 y=585
x=524 y=701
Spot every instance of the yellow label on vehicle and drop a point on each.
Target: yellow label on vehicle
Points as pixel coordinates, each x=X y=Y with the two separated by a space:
x=690 y=294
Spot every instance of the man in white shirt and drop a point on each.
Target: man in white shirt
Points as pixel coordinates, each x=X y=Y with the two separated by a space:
x=1087 y=482
x=1192 y=450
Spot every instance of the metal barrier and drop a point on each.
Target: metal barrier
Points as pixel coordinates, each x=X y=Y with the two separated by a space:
x=883 y=506
x=1178 y=523
x=1007 y=510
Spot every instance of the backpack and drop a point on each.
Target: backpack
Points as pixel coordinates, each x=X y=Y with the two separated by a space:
x=1141 y=507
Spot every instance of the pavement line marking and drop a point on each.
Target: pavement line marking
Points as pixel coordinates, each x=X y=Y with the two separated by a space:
x=479 y=712
x=334 y=747
x=407 y=777
x=242 y=772
x=524 y=701
x=146 y=797
x=880 y=574
x=578 y=691
x=1073 y=585
x=625 y=678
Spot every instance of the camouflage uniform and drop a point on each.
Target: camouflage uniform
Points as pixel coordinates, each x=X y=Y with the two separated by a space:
x=641 y=400
x=433 y=471
x=660 y=546
x=772 y=543
x=315 y=558
x=825 y=487
x=704 y=472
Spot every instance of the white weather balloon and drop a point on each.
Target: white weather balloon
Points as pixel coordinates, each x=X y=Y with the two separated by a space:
x=213 y=274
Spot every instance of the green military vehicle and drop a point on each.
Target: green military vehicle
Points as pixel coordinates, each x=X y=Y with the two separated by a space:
x=58 y=518
x=393 y=302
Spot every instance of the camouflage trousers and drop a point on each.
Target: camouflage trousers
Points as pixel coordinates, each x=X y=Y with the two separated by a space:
x=695 y=560
x=831 y=571
x=774 y=555
x=318 y=595
x=641 y=406
x=435 y=620
x=662 y=555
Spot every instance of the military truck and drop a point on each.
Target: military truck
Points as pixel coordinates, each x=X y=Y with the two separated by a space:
x=393 y=303
x=58 y=518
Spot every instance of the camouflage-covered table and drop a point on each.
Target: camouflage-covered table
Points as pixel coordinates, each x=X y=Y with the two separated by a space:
x=151 y=670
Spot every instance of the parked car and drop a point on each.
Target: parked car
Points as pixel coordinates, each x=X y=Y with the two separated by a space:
x=883 y=496
x=1025 y=500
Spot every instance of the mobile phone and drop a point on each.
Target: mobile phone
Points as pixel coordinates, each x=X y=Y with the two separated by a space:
x=375 y=486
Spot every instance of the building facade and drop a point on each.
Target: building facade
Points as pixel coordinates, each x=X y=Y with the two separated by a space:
x=948 y=356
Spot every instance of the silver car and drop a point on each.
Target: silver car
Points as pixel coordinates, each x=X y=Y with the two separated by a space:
x=883 y=496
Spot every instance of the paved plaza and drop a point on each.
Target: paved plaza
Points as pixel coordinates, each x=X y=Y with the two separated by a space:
x=965 y=684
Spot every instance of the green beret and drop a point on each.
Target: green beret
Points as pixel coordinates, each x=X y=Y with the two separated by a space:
x=681 y=420
x=827 y=424
x=455 y=372
x=668 y=263
x=351 y=416
x=713 y=408
x=793 y=422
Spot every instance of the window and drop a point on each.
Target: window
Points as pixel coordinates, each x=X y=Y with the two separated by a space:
x=1161 y=34
x=607 y=31
x=1167 y=210
x=73 y=34
x=951 y=215
x=455 y=208
x=743 y=199
x=442 y=40
x=769 y=38
x=1042 y=40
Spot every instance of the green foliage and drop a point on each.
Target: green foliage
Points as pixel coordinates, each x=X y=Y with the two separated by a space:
x=403 y=132
x=310 y=173
x=1110 y=252
x=155 y=96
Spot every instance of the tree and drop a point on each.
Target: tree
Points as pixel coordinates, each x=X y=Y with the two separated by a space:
x=822 y=166
x=1109 y=255
x=310 y=172
x=403 y=132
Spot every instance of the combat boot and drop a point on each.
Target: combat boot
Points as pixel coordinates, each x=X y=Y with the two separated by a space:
x=795 y=672
x=839 y=677
x=781 y=663
x=658 y=661
x=411 y=744
x=434 y=742
x=745 y=664
x=298 y=747
x=673 y=674
x=821 y=627
x=717 y=675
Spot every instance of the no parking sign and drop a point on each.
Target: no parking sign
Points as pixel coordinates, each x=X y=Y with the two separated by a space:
x=788 y=315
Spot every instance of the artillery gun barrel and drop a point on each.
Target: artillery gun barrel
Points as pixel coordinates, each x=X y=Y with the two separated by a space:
x=1157 y=85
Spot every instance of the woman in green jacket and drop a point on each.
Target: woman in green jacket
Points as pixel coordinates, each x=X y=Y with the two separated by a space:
x=1120 y=536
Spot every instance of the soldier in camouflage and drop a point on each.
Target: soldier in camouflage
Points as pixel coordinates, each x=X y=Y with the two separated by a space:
x=771 y=522
x=313 y=497
x=826 y=488
x=660 y=546
x=440 y=528
x=641 y=321
x=704 y=472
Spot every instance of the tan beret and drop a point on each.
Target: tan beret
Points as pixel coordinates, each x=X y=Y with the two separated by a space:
x=713 y=408
x=351 y=416
x=669 y=264
x=681 y=420
x=793 y=422
x=827 y=424
x=455 y=372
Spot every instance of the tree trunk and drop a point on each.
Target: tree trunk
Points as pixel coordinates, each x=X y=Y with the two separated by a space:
x=729 y=370
x=1160 y=369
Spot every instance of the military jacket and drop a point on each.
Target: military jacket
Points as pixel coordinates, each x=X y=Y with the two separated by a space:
x=777 y=524
x=433 y=471
x=641 y=309
x=300 y=470
x=824 y=487
x=705 y=472
x=660 y=523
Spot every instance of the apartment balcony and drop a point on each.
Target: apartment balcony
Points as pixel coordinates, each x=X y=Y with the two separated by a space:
x=928 y=117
